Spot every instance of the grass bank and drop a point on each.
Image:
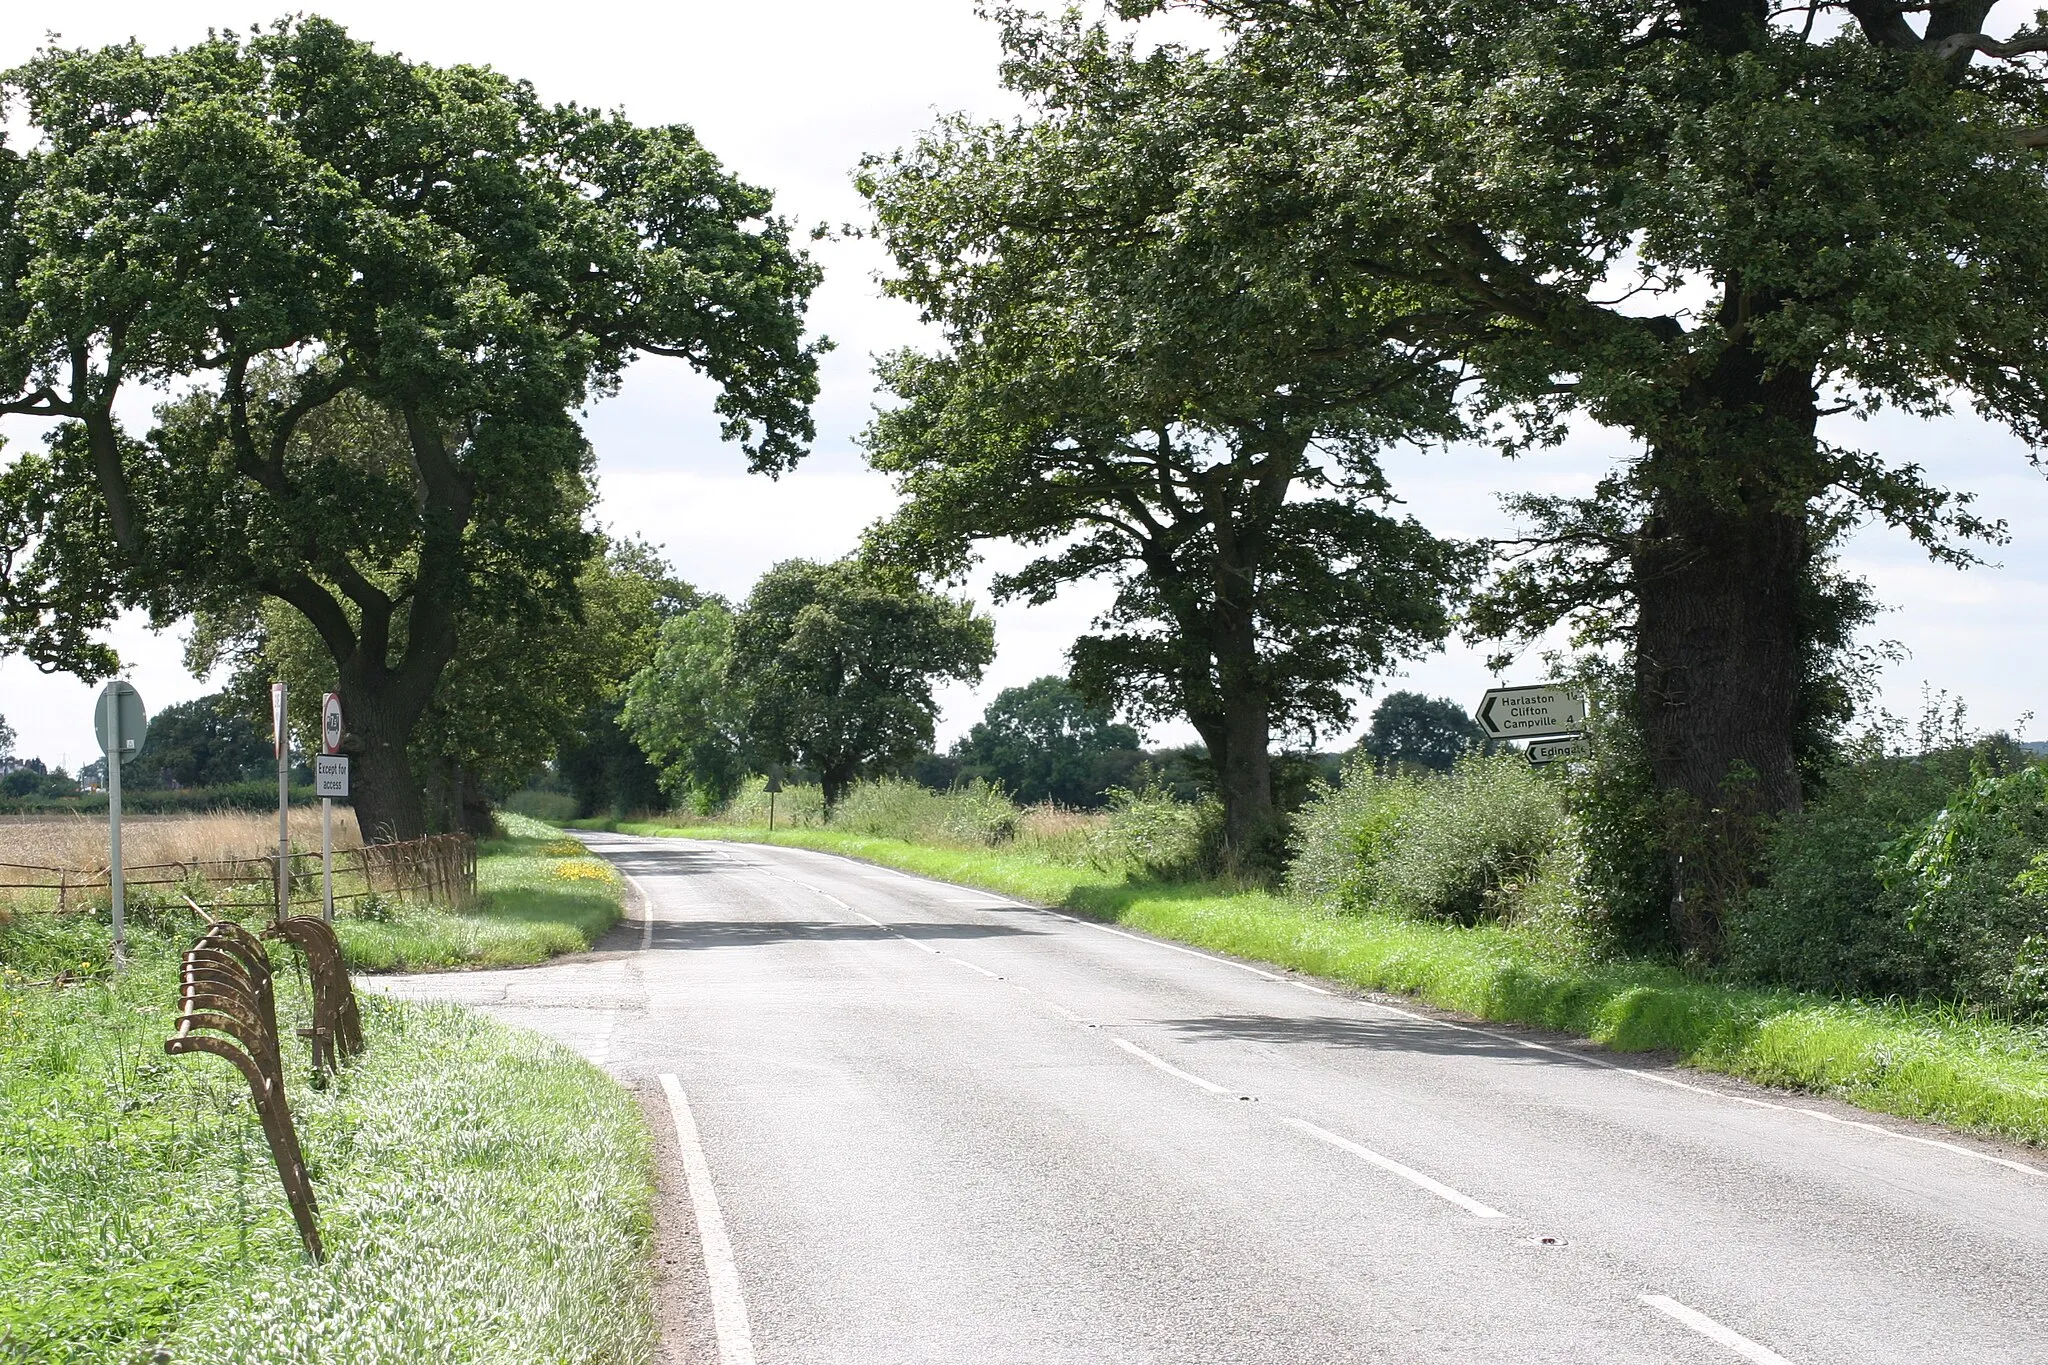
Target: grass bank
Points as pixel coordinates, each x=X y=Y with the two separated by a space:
x=539 y=895
x=1916 y=1061
x=485 y=1195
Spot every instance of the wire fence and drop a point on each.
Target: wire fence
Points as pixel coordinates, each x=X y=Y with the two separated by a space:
x=439 y=868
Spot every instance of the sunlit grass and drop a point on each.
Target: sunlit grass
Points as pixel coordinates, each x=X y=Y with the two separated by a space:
x=485 y=1195
x=539 y=895
x=1920 y=1061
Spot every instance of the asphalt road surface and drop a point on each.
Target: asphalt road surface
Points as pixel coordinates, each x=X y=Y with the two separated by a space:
x=910 y=1121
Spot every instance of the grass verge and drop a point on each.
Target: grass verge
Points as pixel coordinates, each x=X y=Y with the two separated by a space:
x=539 y=896
x=485 y=1195
x=1917 y=1061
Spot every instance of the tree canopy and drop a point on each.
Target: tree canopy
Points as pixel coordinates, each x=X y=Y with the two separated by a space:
x=1044 y=741
x=1430 y=732
x=384 y=289
x=837 y=663
x=688 y=711
x=1710 y=225
x=1141 y=383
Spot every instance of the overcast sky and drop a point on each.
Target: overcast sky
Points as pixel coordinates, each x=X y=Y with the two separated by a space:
x=791 y=93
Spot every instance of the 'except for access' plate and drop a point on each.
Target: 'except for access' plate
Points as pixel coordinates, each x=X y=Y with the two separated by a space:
x=330 y=775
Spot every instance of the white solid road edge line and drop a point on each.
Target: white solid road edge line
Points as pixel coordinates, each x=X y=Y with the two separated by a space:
x=1714 y=1331
x=728 y=1306
x=1408 y=1173
x=1168 y=1067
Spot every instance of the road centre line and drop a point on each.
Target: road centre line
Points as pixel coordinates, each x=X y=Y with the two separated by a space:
x=1714 y=1331
x=1168 y=1067
x=728 y=1306
x=1407 y=1173
x=2016 y=1166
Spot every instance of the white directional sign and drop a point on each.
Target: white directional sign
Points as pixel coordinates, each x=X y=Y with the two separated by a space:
x=1539 y=712
x=330 y=723
x=330 y=775
x=1542 y=751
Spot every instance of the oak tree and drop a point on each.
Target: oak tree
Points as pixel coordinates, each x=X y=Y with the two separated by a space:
x=1140 y=385
x=382 y=290
x=1707 y=223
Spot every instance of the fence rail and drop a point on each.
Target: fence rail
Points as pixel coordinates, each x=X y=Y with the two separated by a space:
x=440 y=867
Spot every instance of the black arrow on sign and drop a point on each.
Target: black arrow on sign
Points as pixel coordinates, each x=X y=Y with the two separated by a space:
x=1486 y=715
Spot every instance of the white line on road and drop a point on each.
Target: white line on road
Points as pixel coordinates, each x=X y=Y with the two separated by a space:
x=1408 y=1173
x=1169 y=1068
x=728 y=1306
x=1171 y=947
x=1676 y=1084
x=1672 y=1082
x=1714 y=1331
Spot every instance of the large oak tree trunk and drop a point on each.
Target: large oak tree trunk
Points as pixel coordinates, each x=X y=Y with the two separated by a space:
x=385 y=792
x=1720 y=572
x=1244 y=778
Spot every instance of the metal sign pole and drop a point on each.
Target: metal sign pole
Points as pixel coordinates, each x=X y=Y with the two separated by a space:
x=330 y=742
x=284 y=799
x=114 y=872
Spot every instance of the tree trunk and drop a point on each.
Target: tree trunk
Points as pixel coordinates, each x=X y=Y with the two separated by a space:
x=835 y=778
x=383 y=788
x=1244 y=777
x=1720 y=572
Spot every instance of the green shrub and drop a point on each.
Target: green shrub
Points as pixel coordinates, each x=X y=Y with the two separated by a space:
x=1487 y=840
x=1968 y=879
x=977 y=815
x=1824 y=919
x=1341 y=835
x=1152 y=833
x=797 y=806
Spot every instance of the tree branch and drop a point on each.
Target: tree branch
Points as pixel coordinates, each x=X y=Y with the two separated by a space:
x=2019 y=45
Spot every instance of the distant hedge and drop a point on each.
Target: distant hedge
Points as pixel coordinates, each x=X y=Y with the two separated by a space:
x=236 y=796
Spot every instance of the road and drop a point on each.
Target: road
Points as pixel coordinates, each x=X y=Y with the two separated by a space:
x=921 y=1123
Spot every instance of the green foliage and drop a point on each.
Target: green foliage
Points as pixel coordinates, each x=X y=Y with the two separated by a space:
x=1156 y=397
x=797 y=805
x=1159 y=836
x=209 y=742
x=485 y=1195
x=1046 y=742
x=1485 y=841
x=687 y=711
x=384 y=290
x=1825 y=919
x=975 y=815
x=259 y=795
x=836 y=664
x=1429 y=732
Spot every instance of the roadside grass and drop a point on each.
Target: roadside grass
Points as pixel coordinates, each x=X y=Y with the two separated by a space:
x=485 y=1195
x=1927 y=1062
x=539 y=895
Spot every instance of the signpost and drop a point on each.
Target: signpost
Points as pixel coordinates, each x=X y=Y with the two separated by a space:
x=330 y=779
x=122 y=725
x=1545 y=711
x=774 y=785
x=281 y=733
x=1543 y=751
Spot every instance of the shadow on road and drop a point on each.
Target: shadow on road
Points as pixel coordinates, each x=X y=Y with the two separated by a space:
x=1376 y=1035
x=699 y=933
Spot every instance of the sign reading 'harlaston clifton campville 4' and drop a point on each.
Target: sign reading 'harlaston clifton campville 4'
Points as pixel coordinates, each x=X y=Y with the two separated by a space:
x=1541 y=712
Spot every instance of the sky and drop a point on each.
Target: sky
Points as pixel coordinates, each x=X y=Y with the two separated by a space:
x=791 y=94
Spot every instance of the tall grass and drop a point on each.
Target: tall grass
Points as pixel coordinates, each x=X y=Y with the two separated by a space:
x=79 y=842
x=974 y=816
